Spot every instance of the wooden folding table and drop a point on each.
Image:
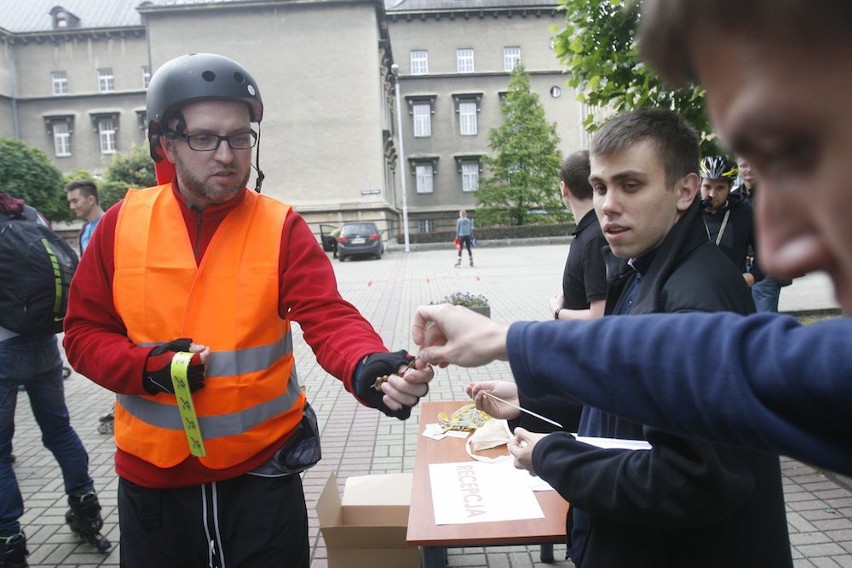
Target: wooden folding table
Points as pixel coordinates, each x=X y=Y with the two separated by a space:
x=434 y=540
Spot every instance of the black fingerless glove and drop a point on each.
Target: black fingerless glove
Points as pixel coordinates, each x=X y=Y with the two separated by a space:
x=158 y=368
x=379 y=365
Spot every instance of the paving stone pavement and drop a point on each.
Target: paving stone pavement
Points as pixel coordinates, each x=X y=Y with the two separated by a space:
x=358 y=441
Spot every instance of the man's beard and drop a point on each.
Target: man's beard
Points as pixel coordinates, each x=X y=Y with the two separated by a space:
x=210 y=192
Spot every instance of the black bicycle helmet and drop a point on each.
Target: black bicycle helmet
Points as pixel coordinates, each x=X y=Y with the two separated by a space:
x=719 y=167
x=196 y=77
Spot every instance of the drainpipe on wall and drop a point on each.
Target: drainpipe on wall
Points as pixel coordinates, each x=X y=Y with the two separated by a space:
x=10 y=64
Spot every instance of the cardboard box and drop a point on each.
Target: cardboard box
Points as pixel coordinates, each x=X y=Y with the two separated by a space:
x=366 y=527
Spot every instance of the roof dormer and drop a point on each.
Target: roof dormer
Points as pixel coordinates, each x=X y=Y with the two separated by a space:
x=63 y=19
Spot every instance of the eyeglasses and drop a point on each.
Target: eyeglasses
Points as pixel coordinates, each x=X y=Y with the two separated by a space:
x=211 y=142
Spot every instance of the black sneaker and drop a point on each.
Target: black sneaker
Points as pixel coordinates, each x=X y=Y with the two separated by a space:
x=13 y=551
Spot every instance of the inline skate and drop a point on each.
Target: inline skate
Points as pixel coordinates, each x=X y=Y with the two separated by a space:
x=13 y=551
x=84 y=518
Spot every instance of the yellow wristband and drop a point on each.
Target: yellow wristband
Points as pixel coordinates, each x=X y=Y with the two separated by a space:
x=179 y=367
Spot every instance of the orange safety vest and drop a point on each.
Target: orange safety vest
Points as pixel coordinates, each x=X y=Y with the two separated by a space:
x=229 y=301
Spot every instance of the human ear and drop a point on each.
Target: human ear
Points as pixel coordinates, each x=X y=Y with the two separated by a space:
x=687 y=189
x=168 y=146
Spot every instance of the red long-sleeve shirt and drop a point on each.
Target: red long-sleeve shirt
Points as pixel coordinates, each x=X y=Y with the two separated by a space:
x=97 y=345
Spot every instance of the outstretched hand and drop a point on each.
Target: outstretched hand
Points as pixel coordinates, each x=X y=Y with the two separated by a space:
x=393 y=382
x=448 y=334
x=407 y=386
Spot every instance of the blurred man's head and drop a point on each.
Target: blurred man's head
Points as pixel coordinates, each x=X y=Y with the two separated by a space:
x=643 y=175
x=83 y=199
x=779 y=82
x=746 y=173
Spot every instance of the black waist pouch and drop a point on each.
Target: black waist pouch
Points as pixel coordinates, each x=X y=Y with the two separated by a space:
x=303 y=450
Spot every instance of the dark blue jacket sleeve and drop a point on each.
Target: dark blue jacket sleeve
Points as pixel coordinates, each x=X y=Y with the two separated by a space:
x=678 y=484
x=762 y=381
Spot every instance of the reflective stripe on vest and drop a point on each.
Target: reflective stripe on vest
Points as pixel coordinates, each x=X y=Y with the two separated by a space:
x=163 y=415
x=228 y=301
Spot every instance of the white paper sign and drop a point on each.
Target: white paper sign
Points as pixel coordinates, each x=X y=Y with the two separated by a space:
x=476 y=492
x=614 y=443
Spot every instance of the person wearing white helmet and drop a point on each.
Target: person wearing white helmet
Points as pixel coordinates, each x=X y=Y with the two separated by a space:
x=728 y=218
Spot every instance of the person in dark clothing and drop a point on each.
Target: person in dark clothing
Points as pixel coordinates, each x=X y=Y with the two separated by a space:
x=583 y=295
x=32 y=360
x=761 y=381
x=683 y=502
x=766 y=291
x=728 y=218
x=584 y=278
x=747 y=187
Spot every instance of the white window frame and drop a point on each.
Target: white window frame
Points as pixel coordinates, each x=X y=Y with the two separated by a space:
x=426 y=225
x=59 y=83
x=106 y=80
x=470 y=176
x=467 y=118
x=61 y=139
x=419 y=61
x=146 y=76
x=422 y=119
x=107 y=134
x=425 y=176
x=511 y=57
x=464 y=60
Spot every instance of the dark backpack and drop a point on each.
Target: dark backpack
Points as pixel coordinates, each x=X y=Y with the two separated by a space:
x=36 y=266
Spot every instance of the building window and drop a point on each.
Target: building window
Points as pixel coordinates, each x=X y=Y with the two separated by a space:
x=106 y=80
x=61 y=140
x=419 y=62
x=467 y=118
x=511 y=57
x=59 y=81
x=141 y=116
x=426 y=225
x=464 y=60
x=422 y=113
x=106 y=134
x=425 y=178
x=146 y=76
x=470 y=176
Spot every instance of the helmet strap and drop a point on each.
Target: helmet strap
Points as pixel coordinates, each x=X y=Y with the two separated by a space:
x=260 y=176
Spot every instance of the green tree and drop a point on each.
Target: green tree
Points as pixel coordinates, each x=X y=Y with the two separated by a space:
x=523 y=175
x=27 y=173
x=131 y=169
x=598 y=47
x=80 y=174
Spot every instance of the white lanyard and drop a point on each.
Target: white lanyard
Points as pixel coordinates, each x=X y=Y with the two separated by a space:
x=721 y=229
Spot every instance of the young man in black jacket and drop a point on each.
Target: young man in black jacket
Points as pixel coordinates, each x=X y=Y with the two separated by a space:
x=684 y=502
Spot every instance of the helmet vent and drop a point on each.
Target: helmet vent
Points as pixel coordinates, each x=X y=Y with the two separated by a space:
x=239 y=78
x=209 y=76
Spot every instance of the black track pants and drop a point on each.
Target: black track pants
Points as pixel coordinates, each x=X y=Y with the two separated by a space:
x=248 y=521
